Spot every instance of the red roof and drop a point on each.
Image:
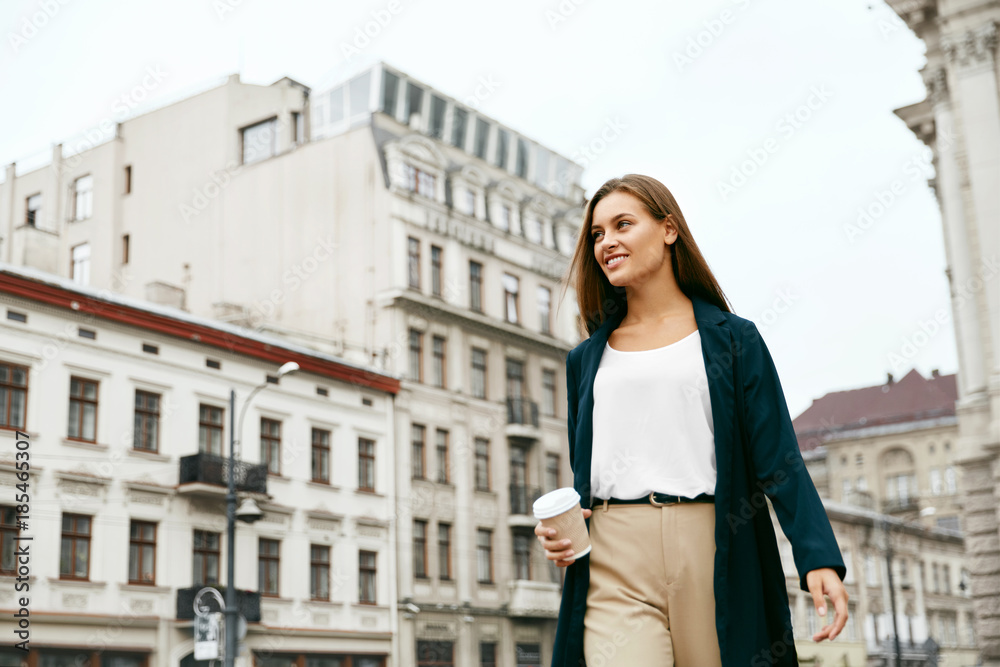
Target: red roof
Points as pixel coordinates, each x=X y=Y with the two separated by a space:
x=913 y=398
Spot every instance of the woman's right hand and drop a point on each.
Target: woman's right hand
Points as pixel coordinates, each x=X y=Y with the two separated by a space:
x=557 y=550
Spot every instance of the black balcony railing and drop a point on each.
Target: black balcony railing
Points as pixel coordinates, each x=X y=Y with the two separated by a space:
x=212 y=469
x=522 y=497
x=247 y=602
x=522 y=411
x=896 y=505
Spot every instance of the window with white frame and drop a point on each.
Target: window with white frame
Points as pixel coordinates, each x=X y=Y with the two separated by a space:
x=468 y=201
x=533 y=228
x=80 y=269
x=83 y=197
x=419 y=181
x=545 y=309
x=950 y=482
x=260 y=141
x=846 y=490
x=33 y=210
x=936 y=481
x=511 y=286
x=503 y=217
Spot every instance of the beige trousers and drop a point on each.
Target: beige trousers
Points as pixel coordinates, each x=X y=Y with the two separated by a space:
x=651 y=600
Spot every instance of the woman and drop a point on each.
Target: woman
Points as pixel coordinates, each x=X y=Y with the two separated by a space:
x=678 y=430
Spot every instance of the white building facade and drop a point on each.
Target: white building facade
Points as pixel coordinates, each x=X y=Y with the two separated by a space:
x=125 y=410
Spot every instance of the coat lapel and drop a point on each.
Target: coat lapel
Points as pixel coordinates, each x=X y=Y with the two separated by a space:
x=717 y=354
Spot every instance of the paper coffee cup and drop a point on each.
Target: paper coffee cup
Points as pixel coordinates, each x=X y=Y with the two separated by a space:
x=560 y=509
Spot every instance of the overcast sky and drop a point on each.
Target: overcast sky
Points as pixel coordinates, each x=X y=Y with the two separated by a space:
x=771 y=121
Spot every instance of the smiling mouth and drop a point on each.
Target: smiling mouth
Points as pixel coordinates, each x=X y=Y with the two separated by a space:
x=616 y=261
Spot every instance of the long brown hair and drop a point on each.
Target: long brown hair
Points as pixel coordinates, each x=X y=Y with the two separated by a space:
x=597 y=297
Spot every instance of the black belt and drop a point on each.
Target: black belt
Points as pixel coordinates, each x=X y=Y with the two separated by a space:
x=655 y=499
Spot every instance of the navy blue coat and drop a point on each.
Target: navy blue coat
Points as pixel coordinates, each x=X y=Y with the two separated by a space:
x=751 y=603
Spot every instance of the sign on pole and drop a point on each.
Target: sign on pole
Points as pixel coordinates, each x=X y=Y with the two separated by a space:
x=207 y=636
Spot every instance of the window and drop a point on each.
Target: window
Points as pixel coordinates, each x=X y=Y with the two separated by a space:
x=419 y=549
x=366 y=577
x=487 y=654
x=901 y=488
x=267 y=566
x=13 y=395
x=366 y=464
x=82 y=409
x=466 y=201
x=533 y=228
x=80 y=267
x=417 y=461
x=436 y=127
x=549 y=392
x=128 y=179
x=481 y=138
x=545 y=309
x=125 y=248
x=439 y=367
x=413 y=103
x=503 y=139
x=206 y=557
x=425 y=184
x=209 y=430
x=142 y=553
x=319 y=572
x=845 y=489
x=83 y=197
x=482 y=464
x=147 y=421
x=528 y=655
x=413 y=262
x=510 y=289
x=270 y=444
x=416 y=355
x=946 y=578
x=260 y=141
x=935 y=578
x=320 y=455
x=435 y=270
x=475 y=286
x=298 y=128
x=521 y=163
x=8 y=533
x=459 y=121
x=871 y=570
x=515 y=379
x=950 y=483
x=33 y=207
x=936 y=481
x=484 y=555
x=551 y=471
x=74 y=558
x=442 y=456
x=390 y=92
x=862 y=483
x=444 y=551
x=503 y=219
x=435 y=654
x=522 y=555
x=478 y=372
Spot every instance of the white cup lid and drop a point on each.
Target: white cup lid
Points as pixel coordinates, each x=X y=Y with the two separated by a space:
x=555 y=502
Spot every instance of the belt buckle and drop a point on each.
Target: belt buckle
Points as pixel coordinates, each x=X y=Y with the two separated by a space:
x=654 y=503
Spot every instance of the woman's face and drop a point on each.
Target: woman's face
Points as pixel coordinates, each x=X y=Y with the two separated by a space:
x=622 y=227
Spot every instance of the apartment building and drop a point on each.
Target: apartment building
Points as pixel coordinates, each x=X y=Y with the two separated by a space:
x=959 y=121
x=389 y=224
x=124 y=411
x=884 y=460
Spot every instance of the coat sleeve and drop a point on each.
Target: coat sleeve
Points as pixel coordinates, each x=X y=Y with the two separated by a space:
x=571 y=406
x=777 y=462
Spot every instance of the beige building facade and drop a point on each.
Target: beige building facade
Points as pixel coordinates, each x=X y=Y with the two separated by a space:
x=960 y=122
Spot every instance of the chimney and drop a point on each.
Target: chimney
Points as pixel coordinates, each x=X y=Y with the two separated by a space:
x=935 y=373
x=888 y=380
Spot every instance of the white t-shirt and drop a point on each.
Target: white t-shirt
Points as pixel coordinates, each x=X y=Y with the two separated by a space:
x=652 y=421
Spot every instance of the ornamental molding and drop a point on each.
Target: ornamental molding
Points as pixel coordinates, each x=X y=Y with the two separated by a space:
x=972 y=47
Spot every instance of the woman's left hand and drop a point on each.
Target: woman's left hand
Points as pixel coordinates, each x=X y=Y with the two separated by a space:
x=825 y=580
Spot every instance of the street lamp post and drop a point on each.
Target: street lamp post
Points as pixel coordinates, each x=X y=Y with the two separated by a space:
x=927 y=511
x=231 y=611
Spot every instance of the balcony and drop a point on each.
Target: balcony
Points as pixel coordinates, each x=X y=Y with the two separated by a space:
x=247 y=602
x=899 y=505
x=522 y=418
x=533 y=599
x=521 y=499
x=208 y=474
